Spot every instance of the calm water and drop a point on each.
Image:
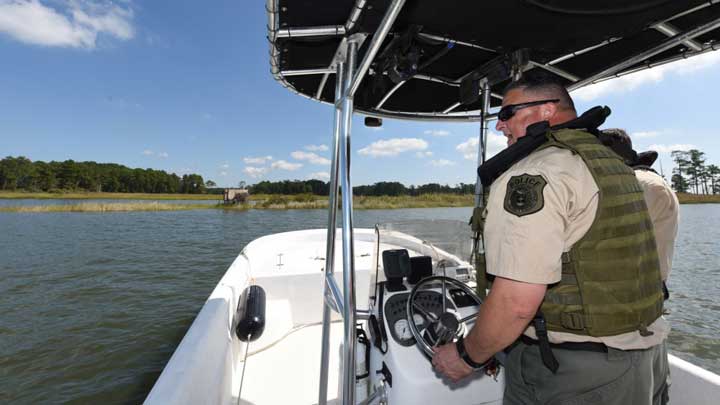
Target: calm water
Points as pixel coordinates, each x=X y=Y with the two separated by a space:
x=93 y=305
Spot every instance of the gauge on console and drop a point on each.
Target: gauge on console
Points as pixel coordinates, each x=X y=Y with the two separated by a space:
x=402 y=329
x=419 y=320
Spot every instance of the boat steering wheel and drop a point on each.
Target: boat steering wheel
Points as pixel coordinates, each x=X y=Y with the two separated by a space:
x=447 y=323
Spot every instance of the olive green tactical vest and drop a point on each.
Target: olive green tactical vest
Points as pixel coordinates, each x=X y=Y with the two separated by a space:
x=611 y=277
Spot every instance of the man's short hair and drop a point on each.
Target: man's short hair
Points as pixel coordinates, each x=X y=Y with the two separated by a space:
x=619 y=141
x=539 y=82
x=618 y=135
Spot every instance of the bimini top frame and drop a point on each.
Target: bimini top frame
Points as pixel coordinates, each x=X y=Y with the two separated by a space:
x=430 y=64
x=448 y=61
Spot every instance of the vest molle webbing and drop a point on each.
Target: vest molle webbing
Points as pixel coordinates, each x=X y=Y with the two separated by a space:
x=611 y=277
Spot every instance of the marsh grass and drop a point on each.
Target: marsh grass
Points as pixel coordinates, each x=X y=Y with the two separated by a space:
x=106 y=207
x=269 y=202
x=232 y=207
x=308 y=201
x=105 y=196
x=686 y=198
x=421 y=201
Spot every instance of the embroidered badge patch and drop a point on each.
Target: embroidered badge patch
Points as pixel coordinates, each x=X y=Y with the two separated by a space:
x=524 y=195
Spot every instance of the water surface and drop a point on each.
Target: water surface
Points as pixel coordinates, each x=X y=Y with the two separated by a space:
x=94 y=304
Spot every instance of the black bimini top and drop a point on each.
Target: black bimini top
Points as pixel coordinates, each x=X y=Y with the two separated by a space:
x=438 y=51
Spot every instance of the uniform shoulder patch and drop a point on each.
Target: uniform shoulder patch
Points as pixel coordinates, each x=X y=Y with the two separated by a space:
x=524 y=195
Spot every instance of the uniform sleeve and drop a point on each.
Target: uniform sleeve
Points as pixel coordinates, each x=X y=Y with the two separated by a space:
x=528 y=247
x=663 y=208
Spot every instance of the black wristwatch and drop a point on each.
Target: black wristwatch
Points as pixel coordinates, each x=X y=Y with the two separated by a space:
x=460 y=345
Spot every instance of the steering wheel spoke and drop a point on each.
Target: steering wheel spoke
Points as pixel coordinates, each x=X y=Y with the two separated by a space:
x=425 y=312
x=468 y=318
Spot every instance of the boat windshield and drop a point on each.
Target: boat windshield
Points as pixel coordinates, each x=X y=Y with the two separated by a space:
x=450 y=236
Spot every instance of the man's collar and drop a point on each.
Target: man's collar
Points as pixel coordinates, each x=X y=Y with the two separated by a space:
x=533 y=139
x=589 y=120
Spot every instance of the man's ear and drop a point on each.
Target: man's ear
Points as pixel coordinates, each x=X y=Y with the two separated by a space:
x=548 y=110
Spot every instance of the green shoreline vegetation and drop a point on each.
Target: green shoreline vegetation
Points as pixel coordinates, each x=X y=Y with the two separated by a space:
x=270 y=202
x=104 y=207
x=21 y=178
x=687 y=198
x=80 y=195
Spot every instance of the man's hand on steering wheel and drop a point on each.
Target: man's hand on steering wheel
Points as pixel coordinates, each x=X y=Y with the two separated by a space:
x=447 y=361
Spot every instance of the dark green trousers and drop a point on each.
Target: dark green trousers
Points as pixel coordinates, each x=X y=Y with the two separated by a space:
x=637 y=377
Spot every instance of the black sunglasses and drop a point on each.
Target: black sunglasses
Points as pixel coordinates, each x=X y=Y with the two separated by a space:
x=509 y=110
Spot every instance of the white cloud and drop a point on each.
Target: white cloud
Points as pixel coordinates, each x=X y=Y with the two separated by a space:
x=225 y=166
x=393 y=147
x=319 y=175
x=632 y=81
x=660 y=148
x=161 y=155
x=77 y=25
x=424 y=154
x=437 y=132
x=469 y=148
x=644 y=134
x=255 y=172
x=316 y=148
x=256 y=160
x=283 y=165
x=223 y=173
x=311 y=157
x=442 y=162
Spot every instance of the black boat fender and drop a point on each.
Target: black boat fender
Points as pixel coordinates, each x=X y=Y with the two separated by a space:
x=250 y=314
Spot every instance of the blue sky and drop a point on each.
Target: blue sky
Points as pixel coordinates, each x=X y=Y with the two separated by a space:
x=184 y=87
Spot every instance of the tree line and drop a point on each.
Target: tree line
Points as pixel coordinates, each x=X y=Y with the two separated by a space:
x=383 y=188
x=692 y=175
x=20 y=173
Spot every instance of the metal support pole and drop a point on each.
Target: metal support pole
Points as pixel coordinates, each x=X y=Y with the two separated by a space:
x=302 y=32
x=388 y=94
x=349 y=27
x=347 y=232
x=330 y=246
x=375 y=44
x=307 y=72
x=662 y=47
x=463 y=43
x=670 y=31
x=478 y=239
x=482 y=141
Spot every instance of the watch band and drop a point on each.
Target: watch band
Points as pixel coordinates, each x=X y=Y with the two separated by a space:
x=460 y=345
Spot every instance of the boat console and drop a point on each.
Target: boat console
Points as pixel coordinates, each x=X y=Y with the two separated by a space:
x=421 y=302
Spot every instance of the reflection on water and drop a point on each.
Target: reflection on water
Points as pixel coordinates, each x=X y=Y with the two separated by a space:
x=93 y=304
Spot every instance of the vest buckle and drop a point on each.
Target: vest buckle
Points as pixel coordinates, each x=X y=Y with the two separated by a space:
x=572 y=320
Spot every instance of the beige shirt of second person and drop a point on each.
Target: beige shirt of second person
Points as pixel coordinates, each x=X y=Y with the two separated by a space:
x=529 y=248
x=664 y=210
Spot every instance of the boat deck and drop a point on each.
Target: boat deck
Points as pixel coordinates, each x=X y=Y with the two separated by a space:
x=285 y=374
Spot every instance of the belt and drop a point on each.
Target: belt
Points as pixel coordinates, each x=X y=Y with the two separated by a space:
x=582 y=346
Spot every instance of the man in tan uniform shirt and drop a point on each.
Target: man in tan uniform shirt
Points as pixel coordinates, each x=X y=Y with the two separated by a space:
x=662 y=202
x=524 y=253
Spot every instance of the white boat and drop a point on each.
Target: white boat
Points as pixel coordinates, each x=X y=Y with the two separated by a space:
x=282 y=327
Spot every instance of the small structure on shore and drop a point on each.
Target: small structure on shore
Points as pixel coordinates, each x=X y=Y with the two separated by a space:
x=235 y=195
